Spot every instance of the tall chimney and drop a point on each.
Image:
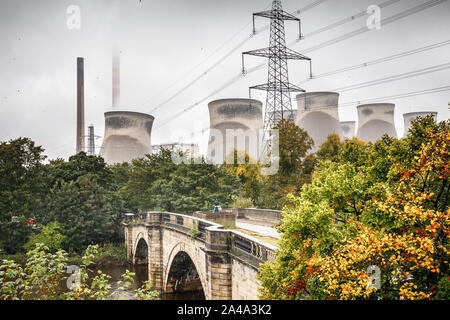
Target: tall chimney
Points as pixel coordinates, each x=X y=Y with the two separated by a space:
x=80 y=105
x=91 y=141
x=116 y=78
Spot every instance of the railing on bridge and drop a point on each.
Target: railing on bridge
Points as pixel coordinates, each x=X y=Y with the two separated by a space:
x=240 y=245
x=252 y=250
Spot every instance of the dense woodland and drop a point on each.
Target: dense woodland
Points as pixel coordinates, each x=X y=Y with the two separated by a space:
x=348 y=206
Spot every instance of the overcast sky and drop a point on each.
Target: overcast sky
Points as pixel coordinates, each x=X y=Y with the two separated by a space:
x=166 y=44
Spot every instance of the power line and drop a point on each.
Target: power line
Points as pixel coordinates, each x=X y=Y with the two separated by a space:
x=352 y=34
x=397 y=96
x=344 y=37
x=200 y=64
x=224 y=86
x=384 y=22
x=190 y=84
x=378 y=61
x=351 y=104
x=348 y=19
x=227 y=55
x=402 y=76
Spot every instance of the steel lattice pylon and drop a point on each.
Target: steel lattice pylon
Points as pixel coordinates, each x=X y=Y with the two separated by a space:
x=278 y=102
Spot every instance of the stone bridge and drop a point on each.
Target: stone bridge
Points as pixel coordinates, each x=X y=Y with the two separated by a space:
x=185 y=253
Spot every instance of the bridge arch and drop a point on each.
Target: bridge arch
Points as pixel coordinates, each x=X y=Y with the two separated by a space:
x=183 y=272
x=140 y=252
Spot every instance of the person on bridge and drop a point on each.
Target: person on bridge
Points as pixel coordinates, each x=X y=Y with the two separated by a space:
x=216 y=207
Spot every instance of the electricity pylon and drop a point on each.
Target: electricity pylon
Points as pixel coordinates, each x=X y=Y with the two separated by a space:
x=278 y=88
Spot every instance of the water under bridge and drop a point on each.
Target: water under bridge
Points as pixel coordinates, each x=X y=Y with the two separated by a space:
x=187 y=253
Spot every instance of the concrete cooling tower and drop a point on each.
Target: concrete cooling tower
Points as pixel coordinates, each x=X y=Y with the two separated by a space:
x=244 y=116
x=375 y=120
x=348 y=129
x=127 y=136
x=318 y=114
x=410 y=117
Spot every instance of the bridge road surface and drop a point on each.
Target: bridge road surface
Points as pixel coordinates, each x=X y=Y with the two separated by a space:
x=261 y=228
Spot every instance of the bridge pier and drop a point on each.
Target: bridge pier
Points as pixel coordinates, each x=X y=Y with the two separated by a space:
x=218 y=264
x=155 y=254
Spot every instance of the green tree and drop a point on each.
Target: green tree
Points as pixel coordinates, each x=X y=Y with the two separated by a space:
x=87 y=212
x=43 y=273
x=51 y=236
x=81 y=165
x=157 y=183
x=22 y=185
x=248 y=173
x=295 y=166
x=330 y=149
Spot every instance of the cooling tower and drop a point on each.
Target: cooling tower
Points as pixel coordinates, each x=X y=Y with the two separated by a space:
x=127 y=136
x=410 y=117
x=244 y=116
x=318 y=114
x=375 y=120
x=348 y=129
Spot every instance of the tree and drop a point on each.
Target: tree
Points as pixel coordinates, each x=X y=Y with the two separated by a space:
x=87 y=212
x=43 y=273
x=51 y=236
x=22 y=184
x=81 y=165
x=330 y=149
x=249 y=175
x=413 y=254
x=370 y=207
x=294 y=146
x=157 y=183
x=295 y=166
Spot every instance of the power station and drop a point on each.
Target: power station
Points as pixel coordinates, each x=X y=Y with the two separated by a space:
x=127 y=134
x=234 y=124
x=238 y=123
x=318 y=114
x=410 y=117
x=376 y=120
x=348 y=129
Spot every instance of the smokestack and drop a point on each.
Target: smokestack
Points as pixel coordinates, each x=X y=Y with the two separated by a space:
x=116 y=78
x=80 y=105
x=91 y=140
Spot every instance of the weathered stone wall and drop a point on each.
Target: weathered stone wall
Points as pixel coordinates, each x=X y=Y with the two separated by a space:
x=244 y=282
x=226 y=217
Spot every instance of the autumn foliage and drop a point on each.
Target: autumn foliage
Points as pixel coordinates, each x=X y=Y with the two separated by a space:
x=400 y=225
